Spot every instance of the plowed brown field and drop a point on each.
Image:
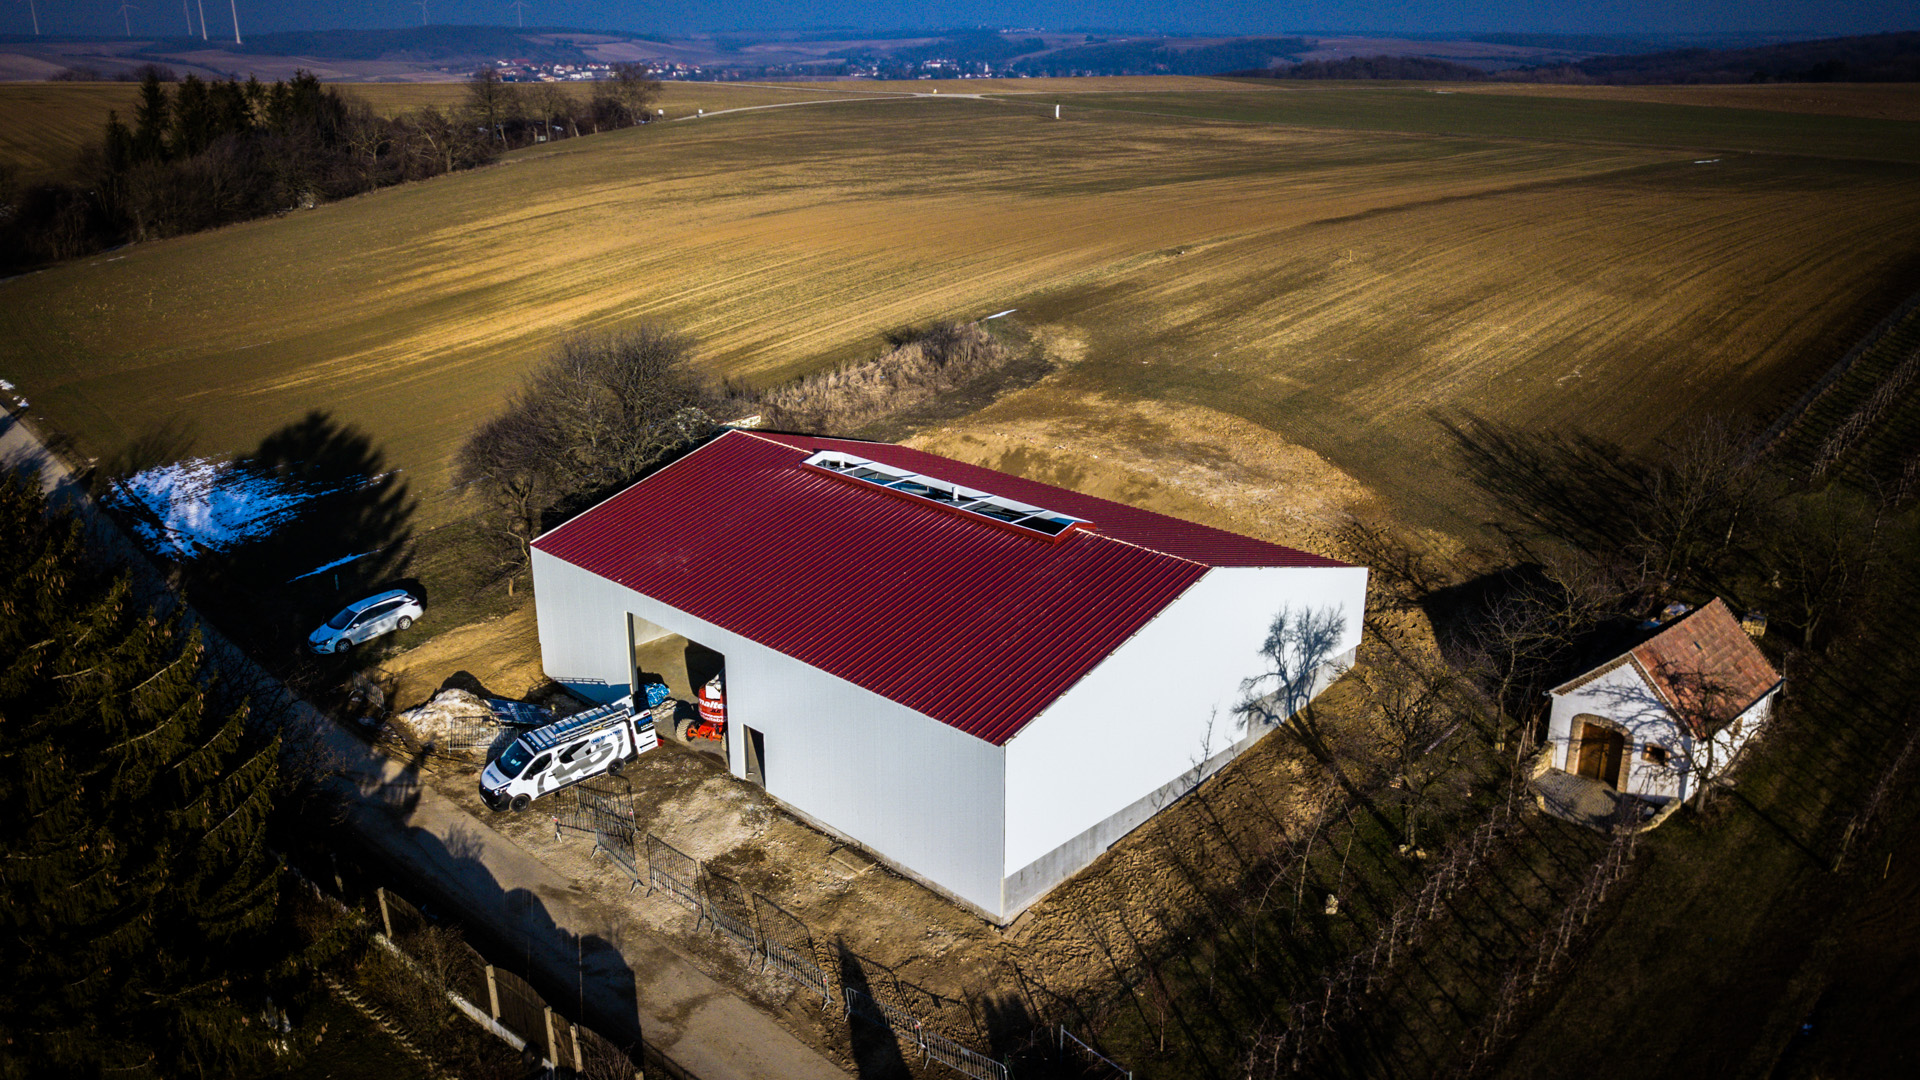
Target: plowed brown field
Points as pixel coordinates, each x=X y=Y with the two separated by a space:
x=1335 y=287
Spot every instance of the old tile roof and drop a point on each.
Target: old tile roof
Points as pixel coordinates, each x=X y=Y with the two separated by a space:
x=1703 y=666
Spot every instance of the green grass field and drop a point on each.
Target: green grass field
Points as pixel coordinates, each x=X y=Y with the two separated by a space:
x=1332 y=285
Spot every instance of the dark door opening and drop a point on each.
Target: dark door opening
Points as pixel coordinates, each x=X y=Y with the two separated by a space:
x=1601 y=751
x=756 y=757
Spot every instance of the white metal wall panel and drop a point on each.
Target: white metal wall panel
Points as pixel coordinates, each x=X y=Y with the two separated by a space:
x=1140 y=719
x=912 y=789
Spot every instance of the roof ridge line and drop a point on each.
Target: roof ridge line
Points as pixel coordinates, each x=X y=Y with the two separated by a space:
x=1095 y=531
x=634 y=484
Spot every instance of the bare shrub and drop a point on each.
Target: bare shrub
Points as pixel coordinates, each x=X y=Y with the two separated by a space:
x=920 y=367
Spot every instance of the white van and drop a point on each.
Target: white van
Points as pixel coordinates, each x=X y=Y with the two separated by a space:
x=579 y=747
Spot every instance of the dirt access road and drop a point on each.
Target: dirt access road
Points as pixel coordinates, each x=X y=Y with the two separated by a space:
x=629 y=982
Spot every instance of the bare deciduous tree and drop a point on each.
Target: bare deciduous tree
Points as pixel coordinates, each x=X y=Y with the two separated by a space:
x=631 y=93
x=492 y=101
x=1406 y=749
x=597 y=414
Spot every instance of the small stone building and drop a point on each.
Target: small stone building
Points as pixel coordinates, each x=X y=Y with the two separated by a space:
x=1668 y=714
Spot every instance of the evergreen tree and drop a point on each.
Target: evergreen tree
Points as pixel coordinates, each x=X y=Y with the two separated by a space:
x=137 y=895
x=150 y=119
x=193 y=118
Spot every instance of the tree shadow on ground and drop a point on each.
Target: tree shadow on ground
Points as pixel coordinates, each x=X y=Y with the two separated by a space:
x=580 y=972
x=875 y=1046
x=342 y=536
x=1565 y=484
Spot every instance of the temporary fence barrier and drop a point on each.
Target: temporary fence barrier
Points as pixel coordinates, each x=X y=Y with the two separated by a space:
x=936 y=1047
x=798 y=967
x=616 y=838
x=672 y=872
x=932 y=1046
x=571 y=813
x=583 y=809
x=729 y=925
x=472 y=745
x=1068 y=1044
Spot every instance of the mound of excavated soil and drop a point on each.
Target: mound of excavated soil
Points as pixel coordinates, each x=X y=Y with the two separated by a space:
x=450 y=716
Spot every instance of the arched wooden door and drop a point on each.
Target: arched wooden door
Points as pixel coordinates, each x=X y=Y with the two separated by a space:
x=1600 y=750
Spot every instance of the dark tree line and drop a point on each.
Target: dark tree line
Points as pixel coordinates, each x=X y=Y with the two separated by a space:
x=205 y=154
x=140 y=923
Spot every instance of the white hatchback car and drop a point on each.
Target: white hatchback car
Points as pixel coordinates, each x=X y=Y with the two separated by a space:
x=364 y=620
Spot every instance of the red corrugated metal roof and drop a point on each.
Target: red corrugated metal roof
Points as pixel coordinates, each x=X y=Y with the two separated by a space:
x=969 y=622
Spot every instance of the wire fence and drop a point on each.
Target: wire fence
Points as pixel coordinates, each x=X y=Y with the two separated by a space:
x=1093 y=1062
x=932 y=1045
x=673 y=872
x=499 y=999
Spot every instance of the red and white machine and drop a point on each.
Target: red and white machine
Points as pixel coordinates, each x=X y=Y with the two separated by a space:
x=712 y=723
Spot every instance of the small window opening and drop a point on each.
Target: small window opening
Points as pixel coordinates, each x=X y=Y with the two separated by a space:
x=1654 y=755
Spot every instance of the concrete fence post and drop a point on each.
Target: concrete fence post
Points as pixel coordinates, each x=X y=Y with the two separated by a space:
x=493 y=994
x=386 y=920
x=550 y=1055
x=579 y=1059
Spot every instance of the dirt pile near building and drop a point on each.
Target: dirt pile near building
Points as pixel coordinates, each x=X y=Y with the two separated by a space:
x=451 y=718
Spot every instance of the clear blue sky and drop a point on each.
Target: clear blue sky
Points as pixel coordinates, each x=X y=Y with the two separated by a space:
x=1812 y=17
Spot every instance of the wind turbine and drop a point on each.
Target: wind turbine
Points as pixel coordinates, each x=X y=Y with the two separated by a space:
x=520 y=9
x=234 y=5
x=186 y=9
x=423 y=11
x=126 y=20
x=203 y=19
x=35 y=12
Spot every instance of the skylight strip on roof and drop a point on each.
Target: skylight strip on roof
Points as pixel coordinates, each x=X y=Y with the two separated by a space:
x=1048 y=523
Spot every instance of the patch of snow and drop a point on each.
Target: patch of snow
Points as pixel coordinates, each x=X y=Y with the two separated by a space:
x=1001 y=315
x=206 y=505
x=331 y=565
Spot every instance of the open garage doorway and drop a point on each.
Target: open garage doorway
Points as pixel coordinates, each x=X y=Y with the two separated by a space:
x=684 y=665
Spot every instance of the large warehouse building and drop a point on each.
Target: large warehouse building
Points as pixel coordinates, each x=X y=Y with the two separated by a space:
x=983 y=680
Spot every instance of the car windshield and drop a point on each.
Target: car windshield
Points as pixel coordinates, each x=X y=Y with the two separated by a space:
x=514 y=760
x=340 y=621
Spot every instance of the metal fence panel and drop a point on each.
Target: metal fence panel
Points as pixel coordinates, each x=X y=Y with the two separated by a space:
x=935 y=1047
x=673 y=872
x=729 y=925
x=798 y=967
x=874 y=1011
x=570 y=812
x=1071 y=1045
x=617 y=840
x=932 y=1046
